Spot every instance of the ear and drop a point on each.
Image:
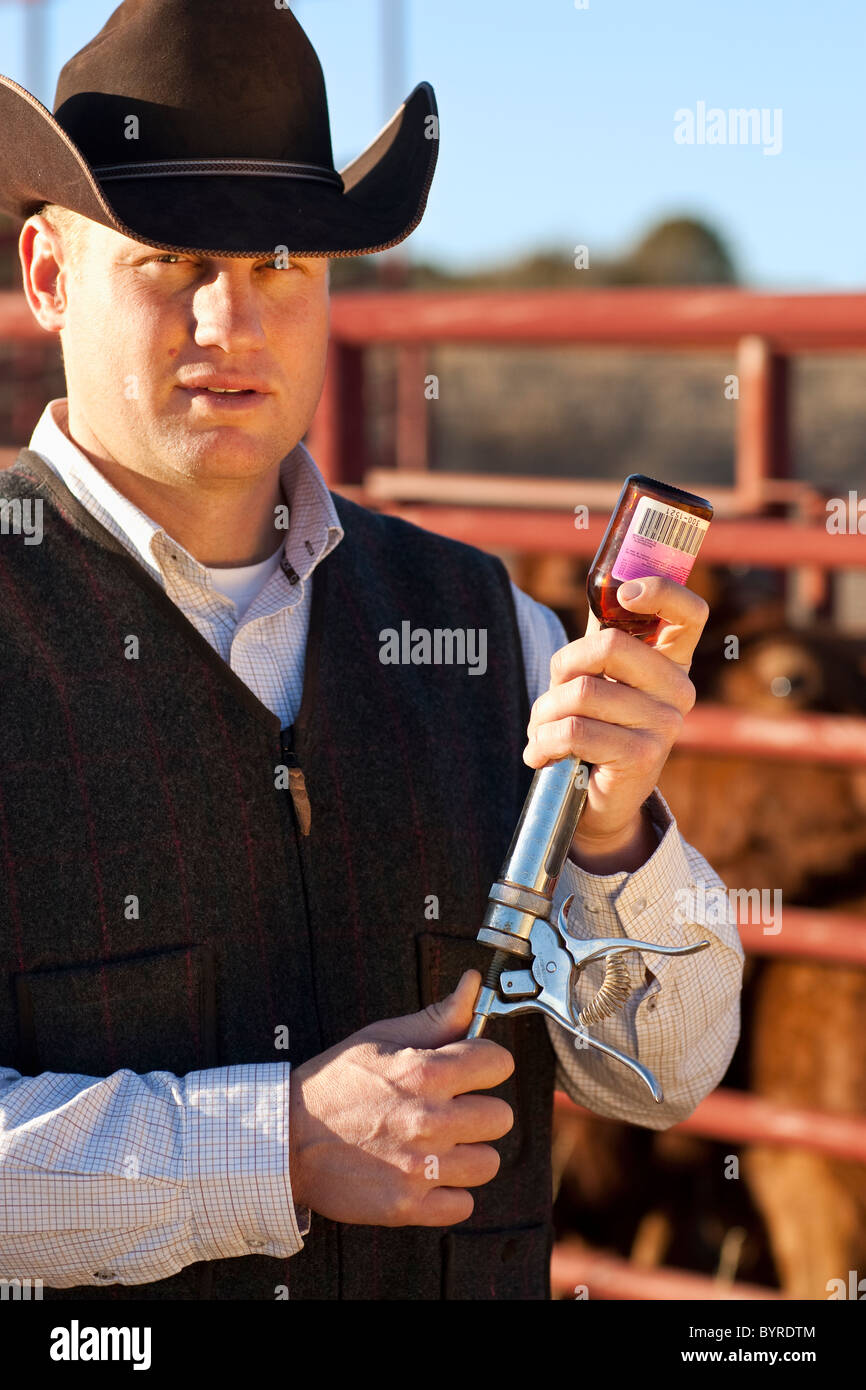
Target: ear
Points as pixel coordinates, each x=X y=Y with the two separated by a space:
x=43 y=271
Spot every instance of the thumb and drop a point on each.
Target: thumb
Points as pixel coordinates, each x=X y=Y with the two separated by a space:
x=446 y=1020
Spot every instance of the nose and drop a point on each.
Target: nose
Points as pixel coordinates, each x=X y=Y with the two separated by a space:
x=226 y=313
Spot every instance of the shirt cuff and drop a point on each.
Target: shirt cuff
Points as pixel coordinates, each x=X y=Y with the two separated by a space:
x=659 y=898
x=237 y=1163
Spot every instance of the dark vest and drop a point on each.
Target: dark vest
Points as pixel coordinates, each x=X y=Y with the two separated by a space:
x=155 y=777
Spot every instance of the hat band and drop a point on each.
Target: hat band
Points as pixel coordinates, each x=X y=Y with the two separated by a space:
x=168 y=168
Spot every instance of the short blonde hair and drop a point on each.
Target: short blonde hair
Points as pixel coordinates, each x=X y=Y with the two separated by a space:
x=71 y=226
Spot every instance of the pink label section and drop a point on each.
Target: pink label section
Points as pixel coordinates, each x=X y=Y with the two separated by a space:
x=643 y=553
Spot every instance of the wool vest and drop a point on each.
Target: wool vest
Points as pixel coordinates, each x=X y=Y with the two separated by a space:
x=148 y=768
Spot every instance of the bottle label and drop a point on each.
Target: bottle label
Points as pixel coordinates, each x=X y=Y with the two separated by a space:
x=662 y=540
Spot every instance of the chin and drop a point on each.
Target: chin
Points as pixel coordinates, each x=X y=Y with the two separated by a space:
x=230 y=453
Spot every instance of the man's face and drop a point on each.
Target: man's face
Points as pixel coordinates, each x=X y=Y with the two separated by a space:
x=145 y=332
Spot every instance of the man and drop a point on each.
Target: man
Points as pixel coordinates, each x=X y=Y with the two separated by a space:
x=233 y=837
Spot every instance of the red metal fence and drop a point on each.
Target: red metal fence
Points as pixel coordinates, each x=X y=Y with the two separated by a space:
x=767 y=519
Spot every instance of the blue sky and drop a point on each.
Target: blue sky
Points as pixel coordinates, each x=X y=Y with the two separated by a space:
x=557 y=123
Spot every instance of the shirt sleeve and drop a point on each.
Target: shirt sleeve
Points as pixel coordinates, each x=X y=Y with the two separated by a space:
x=682 y=1019
x=130 y=1178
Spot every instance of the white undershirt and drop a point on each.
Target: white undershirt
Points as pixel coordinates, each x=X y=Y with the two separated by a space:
x=243 y=582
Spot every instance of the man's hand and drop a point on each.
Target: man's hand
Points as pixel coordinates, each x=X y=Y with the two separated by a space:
x=382 y=1131
x=626 y=724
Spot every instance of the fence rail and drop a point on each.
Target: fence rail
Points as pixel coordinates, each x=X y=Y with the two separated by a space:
x=748 y=1119
x=574 y=1268
x=766 y=543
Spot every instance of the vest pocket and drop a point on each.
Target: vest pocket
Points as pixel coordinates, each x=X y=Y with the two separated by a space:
x=442 y=960
x=512 y=1263
x=154 y=1012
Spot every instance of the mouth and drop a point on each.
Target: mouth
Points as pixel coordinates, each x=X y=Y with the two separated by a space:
x=225 y=398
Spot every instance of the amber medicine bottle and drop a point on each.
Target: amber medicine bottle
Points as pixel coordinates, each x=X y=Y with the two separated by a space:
x=654 y=529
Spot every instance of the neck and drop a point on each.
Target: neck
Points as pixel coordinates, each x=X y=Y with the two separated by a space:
x=222 y=522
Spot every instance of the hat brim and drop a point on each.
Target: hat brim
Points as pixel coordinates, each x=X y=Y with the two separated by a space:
x=383 y=199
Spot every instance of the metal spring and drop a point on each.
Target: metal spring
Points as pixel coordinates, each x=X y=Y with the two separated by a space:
x=614 y=991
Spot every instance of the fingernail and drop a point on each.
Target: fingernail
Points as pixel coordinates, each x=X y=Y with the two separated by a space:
x=630 y=590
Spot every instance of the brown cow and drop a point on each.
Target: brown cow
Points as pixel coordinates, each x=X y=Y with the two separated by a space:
x=800 y=828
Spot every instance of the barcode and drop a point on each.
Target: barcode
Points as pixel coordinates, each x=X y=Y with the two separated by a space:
x=678 y=530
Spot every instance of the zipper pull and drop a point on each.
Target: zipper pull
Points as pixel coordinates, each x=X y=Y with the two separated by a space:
x=297 y=782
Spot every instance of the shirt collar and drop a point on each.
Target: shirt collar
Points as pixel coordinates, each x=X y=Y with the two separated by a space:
x=314 y=527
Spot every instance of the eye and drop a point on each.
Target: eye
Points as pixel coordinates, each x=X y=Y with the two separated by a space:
x=176 y=258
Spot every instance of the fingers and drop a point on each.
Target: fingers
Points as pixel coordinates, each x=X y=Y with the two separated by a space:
x=448 y=1201
x=468 y=1165
x=445 y=1206
x=472 y=1064
x=597 y=743
x=445 y=1020
x=683 y=612
x=623 y=658
x=478 y=1119
x=464 y=997
x=594 y=698
x=615 y=701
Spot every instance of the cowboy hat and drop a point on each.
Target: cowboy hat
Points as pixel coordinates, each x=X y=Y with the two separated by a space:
x=202 y=125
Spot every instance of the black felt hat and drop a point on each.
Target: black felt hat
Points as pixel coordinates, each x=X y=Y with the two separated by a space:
x=202 y=125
